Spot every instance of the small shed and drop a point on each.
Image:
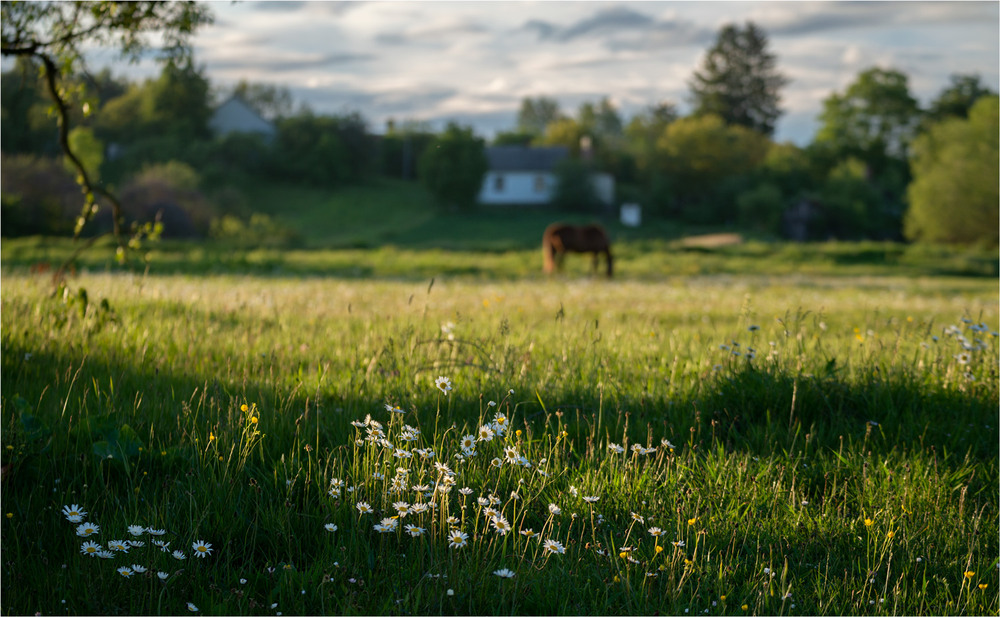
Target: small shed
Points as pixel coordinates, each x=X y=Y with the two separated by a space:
x=235 y=116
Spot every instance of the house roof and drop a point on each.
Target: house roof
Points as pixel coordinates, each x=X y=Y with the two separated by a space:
x=235 y=116
x=524 y=158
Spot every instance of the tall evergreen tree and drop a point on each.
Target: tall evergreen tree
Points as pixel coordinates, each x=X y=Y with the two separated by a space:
x=739 y=80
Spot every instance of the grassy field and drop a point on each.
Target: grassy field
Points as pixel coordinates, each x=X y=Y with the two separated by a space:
x=747 y=429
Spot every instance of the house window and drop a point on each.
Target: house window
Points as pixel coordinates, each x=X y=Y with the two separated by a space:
x=498 y=184
x=539 y=184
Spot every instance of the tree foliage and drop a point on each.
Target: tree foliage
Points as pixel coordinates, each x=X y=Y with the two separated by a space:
x=954 y=194
x=958 y=98
x=535 y=115
x=874 y=119
x=453 y=166
x=55 y=33
x=739 y=80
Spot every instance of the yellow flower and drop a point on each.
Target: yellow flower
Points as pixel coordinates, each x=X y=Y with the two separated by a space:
x=244 y=408
x=745 y=607
x=692 y=521
x=10 y=515
x=889 y=535
x=983 y=586
x=869 y=522
x=723 y=598
x=969 y=574
x=518 y=432
x=211 y=436
x=617 y=580
x=623 y=554
x=659 y=549
x=253 y=420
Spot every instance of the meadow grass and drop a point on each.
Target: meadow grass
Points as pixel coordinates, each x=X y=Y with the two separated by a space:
x=725 y=444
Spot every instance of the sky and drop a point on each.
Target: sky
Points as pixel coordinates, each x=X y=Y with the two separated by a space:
x=473 y=62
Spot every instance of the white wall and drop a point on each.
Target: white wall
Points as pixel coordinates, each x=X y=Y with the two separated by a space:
x=517 y=187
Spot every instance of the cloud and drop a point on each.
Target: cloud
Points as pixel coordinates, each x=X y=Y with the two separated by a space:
x=802 y=18
x=622 y=29
x=293 y=64
x=443 y=32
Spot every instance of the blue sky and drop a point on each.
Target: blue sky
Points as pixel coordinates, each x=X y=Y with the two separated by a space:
x=473 y=62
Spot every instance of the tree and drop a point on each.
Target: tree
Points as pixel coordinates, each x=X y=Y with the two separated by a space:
x=575 y=191
x=739 y=81
x=271 y=102
x=954 y=194
x=55 y=33
x=453 y=166
x=958 y=98
x=536 y=115
x=873 y=120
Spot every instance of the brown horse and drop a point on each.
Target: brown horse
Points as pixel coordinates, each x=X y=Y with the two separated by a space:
x=560 y=239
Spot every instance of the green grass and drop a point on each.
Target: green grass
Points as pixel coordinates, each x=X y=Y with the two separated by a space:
x=848 y=467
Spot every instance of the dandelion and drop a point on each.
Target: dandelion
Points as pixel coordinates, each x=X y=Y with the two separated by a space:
x=87 y=529
x=192 y=608
x=178 y=555
x=125 y=571
x=201 y=549
x=90 y=548
x=74 y=513
x=363 y=507
x=553 y=546
x=504 y=573
x=443 y=384
x=554 y=509
x=457 y=538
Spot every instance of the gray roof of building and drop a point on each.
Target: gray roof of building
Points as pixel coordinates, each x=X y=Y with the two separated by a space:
x=524 y=158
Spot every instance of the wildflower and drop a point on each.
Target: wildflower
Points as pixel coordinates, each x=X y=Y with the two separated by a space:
x=983 y=586
x=617 y=449
x=753 y=328
x=443 y=468
x=528 y=533
x=201 y=549
x=659 y=549
x=414 y=531
x=443 y=384
x=504 y=573
x=969 y=574
x=666 y=443
x=418 y=508
x=501 y=525
x=192 y=608
x=868 y=522
x=485 y=433
x=490 y=513
x=467 y=442
x=450 y=592
x=554 y=509
x=499 y=423
x=692 y=521
x=162 y=575
x=363 y=507
x=678 y=544
x=90 y=548
x=125 y=571
x=637 y=518
x=390 y=523
x=511 y=454
x=402 y=508
x=457 y=538
x=155 y=532
x=590 y=498
x=496 y=462
x=553 y=546
x=179 y=555
x=74 y=513
x=465 y=490
x=106 y=554
x=87 y=529
x=393 y=409
x=138 y=569
x=119 y=545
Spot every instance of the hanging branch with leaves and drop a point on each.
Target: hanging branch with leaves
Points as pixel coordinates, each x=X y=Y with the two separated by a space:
x=55 y=34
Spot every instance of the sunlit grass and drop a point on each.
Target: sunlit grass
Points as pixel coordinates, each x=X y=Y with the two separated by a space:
x=816 y=446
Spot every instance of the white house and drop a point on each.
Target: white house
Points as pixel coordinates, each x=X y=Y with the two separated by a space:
x=521 y=175
x=235 y=116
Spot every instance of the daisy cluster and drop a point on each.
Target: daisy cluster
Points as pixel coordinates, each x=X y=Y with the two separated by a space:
x=145 y=547
x=404 y=484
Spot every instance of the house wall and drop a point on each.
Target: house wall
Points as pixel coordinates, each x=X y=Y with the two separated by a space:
x=517 y=187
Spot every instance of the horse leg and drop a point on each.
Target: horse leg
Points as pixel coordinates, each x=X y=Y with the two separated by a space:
x=609 y=259
x=593 y=262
